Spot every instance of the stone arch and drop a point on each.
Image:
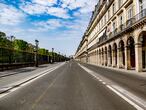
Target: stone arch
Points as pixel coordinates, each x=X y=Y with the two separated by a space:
x=121 y=46
x=141 y=46
x=106 y=55
x=109 y=55
x=115 y=49
x=97 y=56
x=94 y=56
x=131 y=52
x=102 y=56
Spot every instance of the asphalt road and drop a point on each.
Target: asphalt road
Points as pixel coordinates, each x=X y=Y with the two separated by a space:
x=131 y=82
x=67 y=88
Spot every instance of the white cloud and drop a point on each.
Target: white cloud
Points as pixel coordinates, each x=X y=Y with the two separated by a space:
x=10 y=15
x=47 y=6
x=33 y=9
x=37 y=8
x=45 y=2
x=47 y=25
x=59 y=12
x=78 y=25
x=84 y=5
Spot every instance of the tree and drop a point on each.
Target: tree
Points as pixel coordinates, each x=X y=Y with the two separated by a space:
x=4 y=41
x=2 y=34
x=20 y=44
x=43 y=51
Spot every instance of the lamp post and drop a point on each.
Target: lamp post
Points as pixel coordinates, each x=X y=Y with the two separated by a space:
x=11 y=38
x=36 y=52
x=59 y=56
x=52 y=55
x=65 y=58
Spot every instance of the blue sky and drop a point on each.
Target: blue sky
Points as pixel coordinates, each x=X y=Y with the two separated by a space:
x=55 y=23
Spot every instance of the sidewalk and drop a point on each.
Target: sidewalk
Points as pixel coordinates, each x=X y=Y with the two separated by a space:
x=13 y=78
x=23 y=70
x=123 y=71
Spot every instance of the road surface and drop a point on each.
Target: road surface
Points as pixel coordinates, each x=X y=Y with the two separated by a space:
x=69 y=87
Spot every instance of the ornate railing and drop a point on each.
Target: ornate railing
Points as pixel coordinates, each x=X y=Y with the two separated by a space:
x=125 y=26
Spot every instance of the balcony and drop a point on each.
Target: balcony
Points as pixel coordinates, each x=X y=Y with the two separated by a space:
x=127 y=26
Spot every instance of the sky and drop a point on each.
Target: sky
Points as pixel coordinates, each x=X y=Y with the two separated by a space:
x=58 y=24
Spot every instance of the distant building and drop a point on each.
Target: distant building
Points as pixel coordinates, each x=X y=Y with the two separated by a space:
x=116 y=35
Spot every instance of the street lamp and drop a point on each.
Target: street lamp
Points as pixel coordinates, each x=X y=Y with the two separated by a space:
x=52 y=55
x=36 y=52
x=11 y=51
x=65 y=58
x=59 y=56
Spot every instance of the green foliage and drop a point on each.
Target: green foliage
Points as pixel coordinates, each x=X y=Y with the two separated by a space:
x=2 y=34
x=43 y=51
x=20 y=45
x=4 y=41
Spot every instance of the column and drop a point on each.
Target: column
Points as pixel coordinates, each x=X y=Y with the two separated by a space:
x=137 y=9
x=118 y=57
x=138 y=57
x=113 y=58
x=127 y=58
x=104 y=58
x=109 y=58
x=97 y=58
x=100 y=59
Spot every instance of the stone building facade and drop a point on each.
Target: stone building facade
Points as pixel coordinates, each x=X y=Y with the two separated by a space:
x=116 y=35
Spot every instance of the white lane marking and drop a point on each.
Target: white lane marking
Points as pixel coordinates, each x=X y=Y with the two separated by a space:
x=100 y=80
x=26 y=83
x=125 y=98
x=117 y=92
x=130 y=95
x=104 y=83
x=70 y=64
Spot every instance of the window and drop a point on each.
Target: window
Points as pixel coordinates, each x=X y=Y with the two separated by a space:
x=108 y=14
x=101 y=23
x=105 y=19
x=121 y=22
x=141 y=5
x=113 y=8
x=121 y=19
x=120 y=3
x=96 y=28
x=130 y=13
x=114 y=26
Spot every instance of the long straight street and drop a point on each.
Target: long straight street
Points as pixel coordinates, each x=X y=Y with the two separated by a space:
x=71 y=87
x=72 y=54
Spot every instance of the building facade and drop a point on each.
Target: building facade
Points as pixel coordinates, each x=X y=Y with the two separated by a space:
x=116 y=35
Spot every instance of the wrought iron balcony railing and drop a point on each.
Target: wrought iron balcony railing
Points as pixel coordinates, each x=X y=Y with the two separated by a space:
x=127 y=25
